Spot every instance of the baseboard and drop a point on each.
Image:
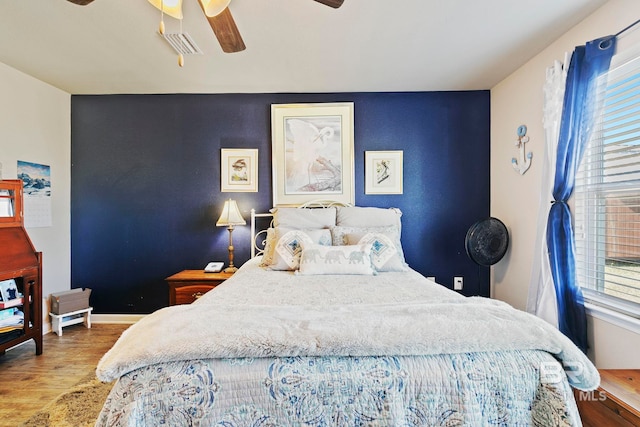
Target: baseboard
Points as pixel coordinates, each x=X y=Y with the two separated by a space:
x=122 y=319
x=127 y=319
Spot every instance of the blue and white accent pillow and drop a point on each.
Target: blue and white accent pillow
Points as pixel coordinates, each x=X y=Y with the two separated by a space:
x=286 y=254
x=384 y=254
x=388 y=239
x=350 y=259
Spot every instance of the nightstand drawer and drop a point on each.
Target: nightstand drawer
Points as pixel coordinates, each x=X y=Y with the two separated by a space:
x=190 y=293
x=188 y=285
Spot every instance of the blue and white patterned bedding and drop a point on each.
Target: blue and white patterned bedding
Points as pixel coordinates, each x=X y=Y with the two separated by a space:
x=473 y=389
x=520 y=387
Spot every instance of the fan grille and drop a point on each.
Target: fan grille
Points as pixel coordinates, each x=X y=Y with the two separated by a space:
x=487 y=241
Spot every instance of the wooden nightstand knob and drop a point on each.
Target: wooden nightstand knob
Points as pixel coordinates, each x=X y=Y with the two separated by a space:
x=197 y=295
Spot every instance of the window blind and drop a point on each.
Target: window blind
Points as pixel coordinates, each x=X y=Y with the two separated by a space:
x=607 y=197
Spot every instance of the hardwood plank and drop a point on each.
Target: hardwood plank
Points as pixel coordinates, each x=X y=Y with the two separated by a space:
x=616 y=403
x=28 y=382
x=624 y=386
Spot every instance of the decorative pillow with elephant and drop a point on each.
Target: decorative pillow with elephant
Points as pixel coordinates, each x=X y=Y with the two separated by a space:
x=349 y=259
x=285 y=253
x=387 y=250
x=385 y=256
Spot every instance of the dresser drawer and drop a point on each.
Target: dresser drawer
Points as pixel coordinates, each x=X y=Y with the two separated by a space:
x=190 y=293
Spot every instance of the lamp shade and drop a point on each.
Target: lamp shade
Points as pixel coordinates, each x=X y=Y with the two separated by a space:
x=214 y=7
x=230 y=215
x=172 y=8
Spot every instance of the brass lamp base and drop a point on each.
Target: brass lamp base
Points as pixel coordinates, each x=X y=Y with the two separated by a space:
x=230 y=269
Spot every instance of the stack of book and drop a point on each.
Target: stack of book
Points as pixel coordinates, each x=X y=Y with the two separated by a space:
x=11 y=323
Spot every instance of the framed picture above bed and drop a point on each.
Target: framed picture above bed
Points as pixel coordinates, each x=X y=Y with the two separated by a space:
x=312 y=147
x=383 y=172
x=239 y=170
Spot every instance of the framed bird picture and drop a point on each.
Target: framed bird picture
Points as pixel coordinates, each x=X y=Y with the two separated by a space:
x=312 y=147
x=383 y=172
x=239 y=170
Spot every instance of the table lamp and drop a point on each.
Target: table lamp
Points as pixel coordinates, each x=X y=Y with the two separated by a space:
x=229 y=217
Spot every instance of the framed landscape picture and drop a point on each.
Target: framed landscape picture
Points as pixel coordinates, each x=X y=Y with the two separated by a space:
x=239 y=170
x=312 y=148
x=383 y=172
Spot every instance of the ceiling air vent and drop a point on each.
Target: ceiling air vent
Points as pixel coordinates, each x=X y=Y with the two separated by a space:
x=182 y=43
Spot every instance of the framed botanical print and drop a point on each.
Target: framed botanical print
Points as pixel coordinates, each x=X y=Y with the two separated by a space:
x=239 y=170
x=312 y=148
x=383 y=172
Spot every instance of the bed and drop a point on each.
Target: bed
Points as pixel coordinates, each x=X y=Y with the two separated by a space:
x=328 y=326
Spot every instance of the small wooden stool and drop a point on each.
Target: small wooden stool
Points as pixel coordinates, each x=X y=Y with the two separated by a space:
x=59 y=321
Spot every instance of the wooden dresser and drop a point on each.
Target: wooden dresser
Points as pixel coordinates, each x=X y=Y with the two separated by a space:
x=189 y=285
x=22 y=263
x=616 y=403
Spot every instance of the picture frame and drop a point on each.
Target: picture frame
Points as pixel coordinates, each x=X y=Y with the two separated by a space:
x=6 y=204
x=9 y=290
x=312 y=147
x=384 y=172
x=238 y=170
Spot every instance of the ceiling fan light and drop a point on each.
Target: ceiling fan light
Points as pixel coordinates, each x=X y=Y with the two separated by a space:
x=172 y=8
x=214 y=7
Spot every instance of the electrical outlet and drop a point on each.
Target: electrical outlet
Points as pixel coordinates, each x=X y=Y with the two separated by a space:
x=432 y=278
x=457 y=283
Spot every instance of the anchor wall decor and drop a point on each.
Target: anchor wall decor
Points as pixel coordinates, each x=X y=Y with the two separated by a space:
x=523 y=162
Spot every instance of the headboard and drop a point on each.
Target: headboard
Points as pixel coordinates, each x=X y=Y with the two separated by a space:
x=259 y=237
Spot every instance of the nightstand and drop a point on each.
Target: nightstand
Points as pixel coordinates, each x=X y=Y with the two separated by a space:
x=189 y=285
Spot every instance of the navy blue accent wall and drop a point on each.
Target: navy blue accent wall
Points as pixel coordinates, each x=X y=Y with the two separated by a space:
x=145 y=183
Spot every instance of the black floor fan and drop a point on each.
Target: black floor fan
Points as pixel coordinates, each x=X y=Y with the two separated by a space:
x=486 y=242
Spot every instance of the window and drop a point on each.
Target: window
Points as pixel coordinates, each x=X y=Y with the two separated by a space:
x=607 y=197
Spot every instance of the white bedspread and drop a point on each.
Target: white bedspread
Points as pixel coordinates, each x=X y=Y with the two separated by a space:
x=335 y=316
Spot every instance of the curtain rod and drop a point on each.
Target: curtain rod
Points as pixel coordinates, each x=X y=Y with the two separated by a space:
x=627 y=28
x=605 y=43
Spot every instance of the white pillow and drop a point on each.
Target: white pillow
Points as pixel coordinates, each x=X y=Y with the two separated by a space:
x=352 y=235
x=304 y=219
x=351 y=259
x=384 y=254
x=359 y=216
x=286 y=250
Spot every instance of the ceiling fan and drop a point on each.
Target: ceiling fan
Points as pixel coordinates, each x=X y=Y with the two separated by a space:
x=219 y=17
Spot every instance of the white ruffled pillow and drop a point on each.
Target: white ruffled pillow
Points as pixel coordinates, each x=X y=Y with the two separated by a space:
x=385 y=256
x=352 y=235
x=284 y=253
x=351 y=259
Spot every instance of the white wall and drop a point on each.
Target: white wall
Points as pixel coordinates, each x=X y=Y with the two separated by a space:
x=35 y=126
x=514 y=199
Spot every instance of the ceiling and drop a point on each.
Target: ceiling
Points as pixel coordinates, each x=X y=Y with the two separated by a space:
x=112 y=46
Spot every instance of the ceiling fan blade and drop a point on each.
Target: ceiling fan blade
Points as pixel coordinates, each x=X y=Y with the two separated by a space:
x=226 y=31
x=331 y=3
x=81 y=2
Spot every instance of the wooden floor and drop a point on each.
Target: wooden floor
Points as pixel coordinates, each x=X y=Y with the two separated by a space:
x=29 y=382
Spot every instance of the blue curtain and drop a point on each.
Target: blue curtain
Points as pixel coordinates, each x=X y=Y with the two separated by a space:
x=578 y=113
